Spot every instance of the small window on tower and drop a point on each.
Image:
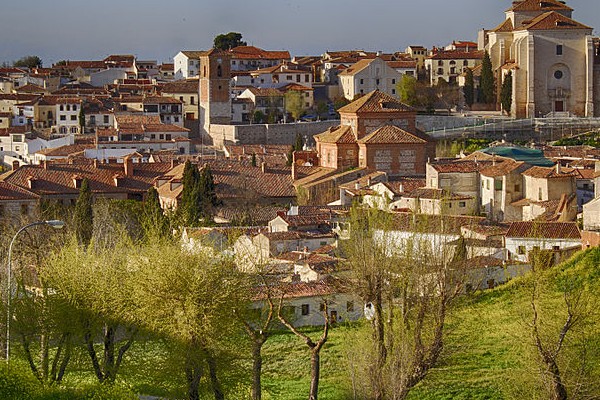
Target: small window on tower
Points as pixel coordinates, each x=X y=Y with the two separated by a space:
x=559 y=50
x=219 y=71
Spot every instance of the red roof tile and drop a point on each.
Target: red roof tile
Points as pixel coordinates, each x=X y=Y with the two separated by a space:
x=544 y=230
x=391 y=134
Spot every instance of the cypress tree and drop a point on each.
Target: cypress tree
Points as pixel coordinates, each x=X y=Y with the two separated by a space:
x=207 y=194
x=189 y=207
x=469 y=88
x=290 y=156
x=83 y=217
x=487 y=80
x=506 y=93
x=154 y=220
x=299 y=143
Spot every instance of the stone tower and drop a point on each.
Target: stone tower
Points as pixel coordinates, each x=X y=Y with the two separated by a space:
x=214 y=98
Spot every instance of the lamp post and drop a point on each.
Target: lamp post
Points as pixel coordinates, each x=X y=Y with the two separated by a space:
x=54 y=223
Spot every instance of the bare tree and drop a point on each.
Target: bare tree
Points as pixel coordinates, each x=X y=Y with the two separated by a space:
x=314 y=347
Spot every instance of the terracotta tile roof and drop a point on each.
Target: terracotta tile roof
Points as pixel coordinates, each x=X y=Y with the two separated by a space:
x=458 y=55
x=391 y=134
x=265 y=92
x=30 y=88
x=375 y=101
x=506 y=26
x=297 y=235
x=57 y=179
x=288 y=290
x=544 y=230
x=489 y=229
x=255 y=53
x=460 y=166
x=295 y=86
x=160 y=100
x=249 y=149
x=299 y=221
x=10 y=192
x=504 y=168
x=356 y=67
x=538 y=5
x=549 y=173
x=481 y=262
x=14 y=129
x=240 y=179
x=402 y=64
x=404 y=185
x=183 y=86
x=81 y=64
x=64 y=151
x=19 y=97
x=340 y=134
x=552 y=21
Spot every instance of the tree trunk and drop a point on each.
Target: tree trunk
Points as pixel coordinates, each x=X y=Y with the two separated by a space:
x=376 y=368
x=257 y=368
x=192 y=375
x=214 y=379
x=89 y=341
x=109 y=353
x=559 y=391
x=315 y=369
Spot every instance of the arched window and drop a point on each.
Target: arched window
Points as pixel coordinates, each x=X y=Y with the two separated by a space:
x=63 y=129
x=73 y=129
x=219 y=71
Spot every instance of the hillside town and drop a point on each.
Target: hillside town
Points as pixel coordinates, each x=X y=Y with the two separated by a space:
x=483 y=154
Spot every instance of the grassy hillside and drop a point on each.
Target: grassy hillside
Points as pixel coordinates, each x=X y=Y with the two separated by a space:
x=489 y=351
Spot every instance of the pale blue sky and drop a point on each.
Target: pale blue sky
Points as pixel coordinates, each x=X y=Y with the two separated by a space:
x=158 y=29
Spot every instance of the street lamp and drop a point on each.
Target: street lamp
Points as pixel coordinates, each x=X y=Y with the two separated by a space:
x=54 y=223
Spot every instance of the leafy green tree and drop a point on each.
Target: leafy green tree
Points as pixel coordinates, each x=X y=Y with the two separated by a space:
x=226 y=41
x=258 y=117
x=506 y=93
x=487 y=81
x=340 y=102
x=407 y=89
x=469 y=88
x=28 y=62
x=321 y=108
x=83 y=216
x=190 y=298
x=254 y=159
x=290 y=156
x=294 y=103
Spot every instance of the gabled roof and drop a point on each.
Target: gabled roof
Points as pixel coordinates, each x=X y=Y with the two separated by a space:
x=251 y=52
x=506 y=26
x=9 y=192
x=357 y=67
x=549 y=173
x=183 y=86
x=538 y=5
x=544 y=230
x=503 y=168
x=376 y=101
x=340 y=134
x=390 y=134
x=552 y=21
x=458 y=55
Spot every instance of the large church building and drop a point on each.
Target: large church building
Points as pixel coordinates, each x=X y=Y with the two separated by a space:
x=552 y=58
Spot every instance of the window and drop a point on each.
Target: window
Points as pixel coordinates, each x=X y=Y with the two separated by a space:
x=465 y=63
x=393 y=91
x=306 y=78
x=192 y=100
x=288 y=77
x=539 y=193
x=68 y=107
x=106 y=119
x=152 y=136
x=555 y=247
x=462 y=204
x=559 y=50
x=440 y=71
x=62 y=108
x=75 y=108
x=497 y=184
x=219 y=71
x=558 y=74
x=393 y=81
x=377 y=81
x=73 y=129
x=168 y=136
x=521 y=250
x=322 y=307
x=176 y=119
x=73 y=117
x=305 y=309
x=298 y=78
x=63 y=117
x=24 y=209
x=181 y=98
x=350 y=306
x=440 y=63
x=517 y=187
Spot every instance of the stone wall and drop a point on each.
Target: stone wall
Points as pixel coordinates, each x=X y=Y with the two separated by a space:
x=267 y=133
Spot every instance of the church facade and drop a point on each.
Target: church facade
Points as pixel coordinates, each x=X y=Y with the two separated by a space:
x=552 y=59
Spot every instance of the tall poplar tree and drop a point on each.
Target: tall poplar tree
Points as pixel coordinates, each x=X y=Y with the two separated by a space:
x=469 y=88
x=506 y=93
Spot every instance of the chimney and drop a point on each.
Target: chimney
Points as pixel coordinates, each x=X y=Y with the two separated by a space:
x=294 y=172
x=31 y=182
x=15 y=165
x=128 y=166
x=357 y=185
x=77 y=179
x=174 y=163
x=263 y=167
x=494 y=159
x=45 y=164
x=368 y=181
x=96 y=163
x=118 y=178
x=558 y=168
